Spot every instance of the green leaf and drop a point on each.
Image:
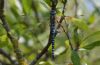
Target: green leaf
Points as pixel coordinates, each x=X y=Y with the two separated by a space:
x=91 y=39
x=14 y=11
x=48 y=2
x=92 y=45
x=79 y=23
x=3 y=41
x=75 y=58
x=26 y=5
x=3 y=38
x=91 y=19
x=67 y=43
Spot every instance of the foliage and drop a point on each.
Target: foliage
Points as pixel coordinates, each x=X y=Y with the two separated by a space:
x=77 y=26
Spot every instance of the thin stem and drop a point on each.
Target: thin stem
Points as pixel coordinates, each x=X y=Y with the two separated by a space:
x=67 y=34
x=64 y=7
x=63 y=11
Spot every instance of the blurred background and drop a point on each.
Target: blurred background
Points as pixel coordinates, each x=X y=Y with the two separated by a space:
x=29 y=21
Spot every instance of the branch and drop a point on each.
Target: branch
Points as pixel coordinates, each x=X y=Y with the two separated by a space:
x=13 y=40
x=42 y=52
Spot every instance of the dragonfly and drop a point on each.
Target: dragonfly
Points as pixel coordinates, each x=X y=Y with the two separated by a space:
x=52 y=24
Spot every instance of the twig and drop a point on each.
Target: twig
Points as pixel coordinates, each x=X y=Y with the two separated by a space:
x=67 y=34
x=64 y=7
x=63 y=11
